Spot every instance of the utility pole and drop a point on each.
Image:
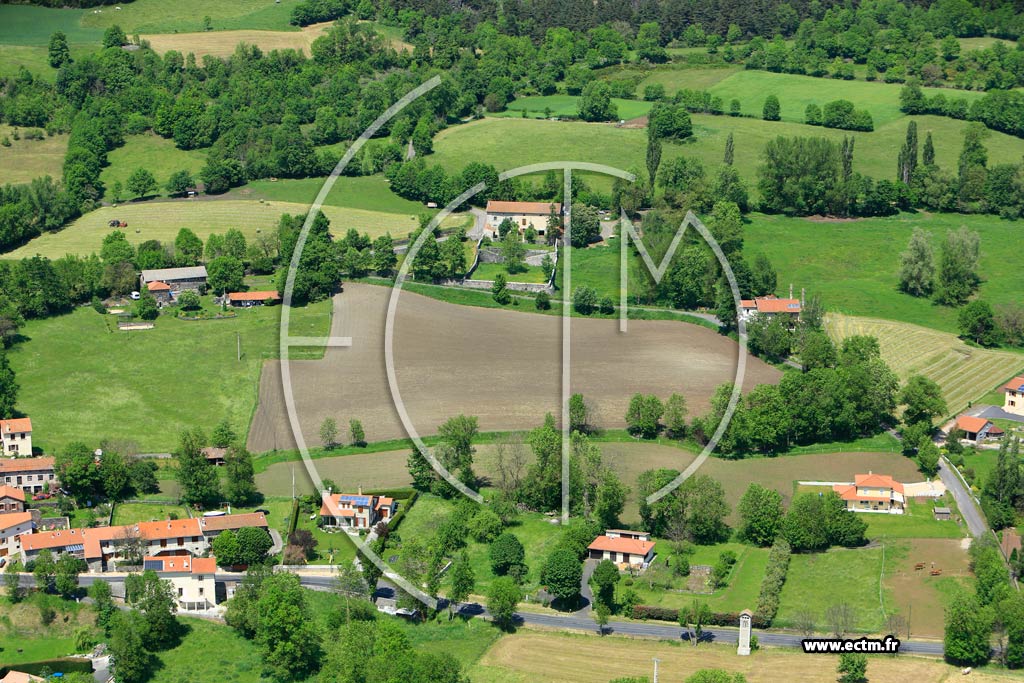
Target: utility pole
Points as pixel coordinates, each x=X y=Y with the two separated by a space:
x=656 y=660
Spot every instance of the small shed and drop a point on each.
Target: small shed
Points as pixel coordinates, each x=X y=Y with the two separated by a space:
x=942 y=513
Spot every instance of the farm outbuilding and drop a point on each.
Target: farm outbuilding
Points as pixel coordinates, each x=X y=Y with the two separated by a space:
x=247 y=299
x=176 y=279
x=978 y=429
x=942 y=513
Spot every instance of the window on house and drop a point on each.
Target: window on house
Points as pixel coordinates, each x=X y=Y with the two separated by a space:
x=200 y=589
x=181 y=591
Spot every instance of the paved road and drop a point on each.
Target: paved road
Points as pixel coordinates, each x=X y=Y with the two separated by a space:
x=964 y=500
x=666 y=631
x=574 y=622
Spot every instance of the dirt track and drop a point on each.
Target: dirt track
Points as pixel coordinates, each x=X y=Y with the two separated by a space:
x=502 y=366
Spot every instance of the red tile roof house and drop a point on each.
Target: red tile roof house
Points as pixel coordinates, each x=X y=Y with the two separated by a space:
x=101 y=546
x=624 y=548
x=16 y=436
x=872 y=493
x=523 y=214
x=356 y=510
x=161 y=291
x=193 y=579
x=12 y=525
x=247 y=299
x=12 y=499
x=769 y=307
x=31 y=475
x=1013 y=399
x=978 y=429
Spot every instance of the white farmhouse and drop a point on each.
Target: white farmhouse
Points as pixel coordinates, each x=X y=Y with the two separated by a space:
x=16 y=435
x=523 y=214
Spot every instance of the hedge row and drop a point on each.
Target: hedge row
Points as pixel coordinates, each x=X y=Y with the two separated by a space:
x=715 y=619
x=774 y=579
x=404 y=508
x=397 y=494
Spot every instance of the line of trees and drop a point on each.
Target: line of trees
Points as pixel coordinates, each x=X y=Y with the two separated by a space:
x=994 y=609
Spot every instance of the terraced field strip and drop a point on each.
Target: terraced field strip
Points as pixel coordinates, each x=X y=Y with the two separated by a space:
x=964 y=372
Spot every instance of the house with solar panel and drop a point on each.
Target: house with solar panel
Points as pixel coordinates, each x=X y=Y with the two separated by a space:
x=1013 y=397
x=193 y=579
x=356 y=510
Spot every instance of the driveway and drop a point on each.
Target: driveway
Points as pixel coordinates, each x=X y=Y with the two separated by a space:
x=994 y=413
x=964 y=500
x=586 y=593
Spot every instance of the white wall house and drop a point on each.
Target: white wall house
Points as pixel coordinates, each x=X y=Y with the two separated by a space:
x=16 y=436
x=193 y=579
x=31 y=475
x=12 y=525
x=172 y=537
x=1013 y=397
x=624 y=548
x=523 y=214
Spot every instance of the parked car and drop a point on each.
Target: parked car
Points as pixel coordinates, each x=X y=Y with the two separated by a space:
x=135 y=296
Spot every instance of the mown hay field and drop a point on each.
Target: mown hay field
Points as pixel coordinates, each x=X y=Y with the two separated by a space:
x=963 y=372
x=531 y=657
x=161 y=220
x=224 y=43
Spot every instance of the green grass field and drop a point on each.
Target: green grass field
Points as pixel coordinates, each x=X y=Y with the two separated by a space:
x=487 y=271
x=156 y=16
x=533 y=530
x=820 y=580
x=854 y=265
x=82 y=380
x=795 y=92
x=131 y=513
x=917 y=521
x=368 y=193
x=28 y=159
x=156 y=154
x=31 y=25
x=224 y=653
x=741 y=591
x=511 y=142
x=696 y=78
x=565 y=105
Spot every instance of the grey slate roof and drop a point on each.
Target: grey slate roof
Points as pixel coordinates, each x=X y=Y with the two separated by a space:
x=171 y=274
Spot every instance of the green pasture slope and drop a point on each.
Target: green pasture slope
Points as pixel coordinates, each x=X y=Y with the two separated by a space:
x=511 y=141
x=853 y=265
x=81 y=379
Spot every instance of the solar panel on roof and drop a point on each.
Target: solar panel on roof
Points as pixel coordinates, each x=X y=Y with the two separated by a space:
x=75 y=548
x=155 y=565
x=358 y=500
